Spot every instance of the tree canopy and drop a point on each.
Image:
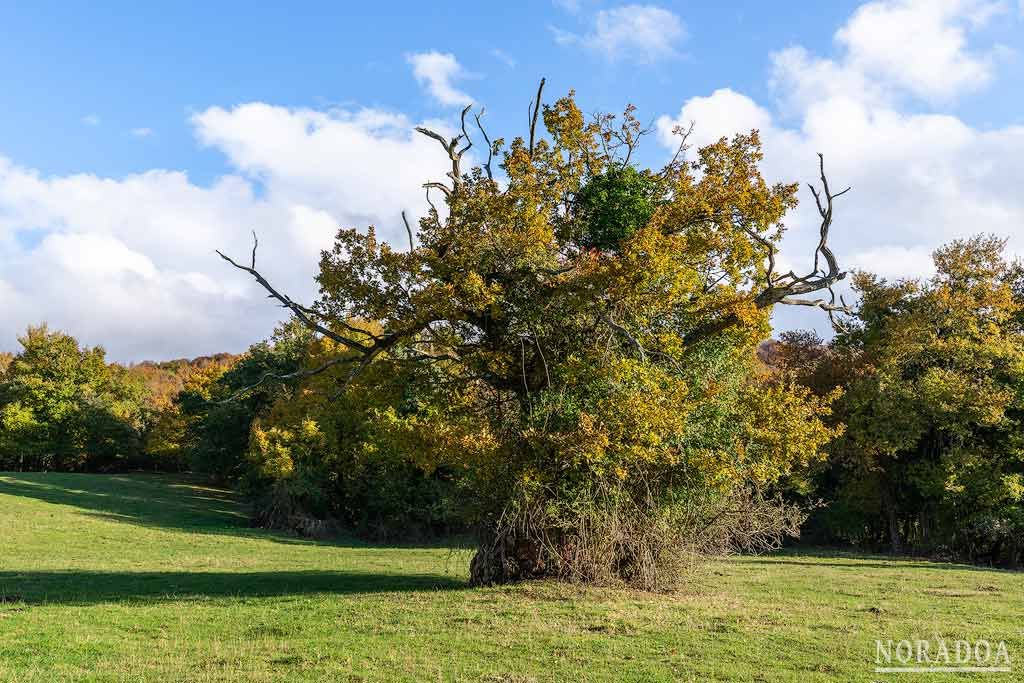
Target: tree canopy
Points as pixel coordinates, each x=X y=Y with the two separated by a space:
x=933 y=374
x=578 y=332
x=62 y=407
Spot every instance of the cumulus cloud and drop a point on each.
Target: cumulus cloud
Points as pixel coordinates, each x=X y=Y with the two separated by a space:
x=437 y=71
x=920 y=178
x=638 y=33
x=366 y=166
x=892 y=48
x=921 y=45
x=141 y=132
x=129 y=262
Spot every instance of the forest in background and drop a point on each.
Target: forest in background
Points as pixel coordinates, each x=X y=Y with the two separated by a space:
x=925 y=394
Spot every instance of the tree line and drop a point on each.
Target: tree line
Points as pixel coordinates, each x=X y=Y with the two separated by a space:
x=564 y=362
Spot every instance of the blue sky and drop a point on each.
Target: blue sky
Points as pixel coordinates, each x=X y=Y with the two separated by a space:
x=138 y=137
x=149 y=65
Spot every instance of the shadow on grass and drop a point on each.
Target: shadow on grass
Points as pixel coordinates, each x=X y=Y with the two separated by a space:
x=163 y=501
x=894 y=562
x=90 y=587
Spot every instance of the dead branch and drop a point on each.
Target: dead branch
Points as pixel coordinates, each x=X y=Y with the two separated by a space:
x=490 y=145
x=465 y=133
x=790 y=288
x=298 y=310
x=533 y=118
x=451 y=148
x=633 y=341
x=408 y=231
x=366 y=351
x=431 y=201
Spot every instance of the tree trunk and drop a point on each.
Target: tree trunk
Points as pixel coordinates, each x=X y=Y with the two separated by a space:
x=891 y=518
x=501 y=558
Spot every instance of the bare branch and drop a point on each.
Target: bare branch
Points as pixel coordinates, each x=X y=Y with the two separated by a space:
x=301 y=312
x=438 y=186
x=298 y=374
x=429 y=200
x=432 y=357
x=816 y=303
x=522 y=364
x=547 y=374
x=431 y=134
x=634 y=342
x=536 y=111
x=465 y=133
x=354 y=329
x=826 y=218
x=408 y=231
x=454 y=156
x=490 y=145
x=788 y=288
x=451 y=148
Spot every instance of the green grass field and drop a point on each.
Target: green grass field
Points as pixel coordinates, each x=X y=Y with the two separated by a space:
x=154 y=578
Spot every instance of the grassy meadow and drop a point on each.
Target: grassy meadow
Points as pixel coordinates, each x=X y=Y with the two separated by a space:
x=158 y=578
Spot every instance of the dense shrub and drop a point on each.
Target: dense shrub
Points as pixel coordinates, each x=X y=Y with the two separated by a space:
x=217 y=416
x=318 y=460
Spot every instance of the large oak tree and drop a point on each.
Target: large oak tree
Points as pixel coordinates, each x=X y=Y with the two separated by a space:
x=578 y=334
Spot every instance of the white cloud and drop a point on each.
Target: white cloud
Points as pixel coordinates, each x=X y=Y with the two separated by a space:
x=129 y=262
x=921 y=44
x=637 y=33
x=898 y=47
x=919 y=178
x=91 y=120
x=504 y=57
x=893 y=262
x=801 y=79
x=437 y=71
x=141 y=132
x=366 y=166
x=723 y=113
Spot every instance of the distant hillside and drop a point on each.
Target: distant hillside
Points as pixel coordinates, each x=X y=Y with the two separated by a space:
x=164 y=379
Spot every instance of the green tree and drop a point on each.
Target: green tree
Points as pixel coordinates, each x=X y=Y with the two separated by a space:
x=216 y=418
x=64 y=408
x=933 y=373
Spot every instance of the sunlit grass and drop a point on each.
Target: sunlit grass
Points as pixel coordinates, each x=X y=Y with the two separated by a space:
x=154 y=578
